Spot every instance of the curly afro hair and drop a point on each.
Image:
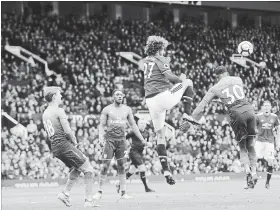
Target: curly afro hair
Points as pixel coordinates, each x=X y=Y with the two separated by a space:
x=155 y=44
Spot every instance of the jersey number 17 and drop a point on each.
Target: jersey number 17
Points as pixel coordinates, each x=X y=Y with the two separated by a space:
x=148 y=68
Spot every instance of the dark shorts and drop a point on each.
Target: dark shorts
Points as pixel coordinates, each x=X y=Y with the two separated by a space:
x=136 y=157
x=114 y=148
x=243 y=123
x=70 y=156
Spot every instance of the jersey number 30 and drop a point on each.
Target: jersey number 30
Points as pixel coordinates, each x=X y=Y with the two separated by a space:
x=148 y=68
x=235 y=93
x=49 y=127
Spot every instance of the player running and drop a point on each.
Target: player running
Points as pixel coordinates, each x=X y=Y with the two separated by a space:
x=113 y=122
x=161 y=95
x=63 y=147
x=266 y=122
x=136 y=155
x=230 y=90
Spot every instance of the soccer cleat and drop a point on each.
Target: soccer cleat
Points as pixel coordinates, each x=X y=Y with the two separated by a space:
x=90 y=204
x=246 y=187
x=118 y=186
x=170 y=180
x=149 y=190
x=249 y=180
x=190 y=119
x=97 y=196
x=64 y=198
x=267 y=185
x=126 y=196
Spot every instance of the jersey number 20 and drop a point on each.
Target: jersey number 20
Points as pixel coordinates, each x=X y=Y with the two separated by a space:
x=236 y=93
x=148 y=68
x=49 y=127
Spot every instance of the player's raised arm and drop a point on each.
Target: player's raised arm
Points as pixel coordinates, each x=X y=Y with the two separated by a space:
x=66 y=127
x=197 y=113
x=103 y=124
x=133 y=126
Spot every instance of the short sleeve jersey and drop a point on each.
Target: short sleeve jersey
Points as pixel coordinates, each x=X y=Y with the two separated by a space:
x=154 y=68
x=265 y=125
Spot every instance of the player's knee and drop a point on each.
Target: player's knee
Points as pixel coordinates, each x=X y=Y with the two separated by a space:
x=132 y=169
x=161 y=136
x=188 y=82
x=142 y=168
x=121 y=168
x=87 y=167
x=74 y=174
x=270 y=162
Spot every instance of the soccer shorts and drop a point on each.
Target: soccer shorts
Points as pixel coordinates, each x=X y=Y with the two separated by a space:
x=71 y=156
x=159 y=104
x=114 y=148
x=136 y=157
x=243 y=124
x=264 y=150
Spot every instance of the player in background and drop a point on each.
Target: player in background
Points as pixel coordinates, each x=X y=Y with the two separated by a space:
x=243 y=120
x=136 y=155
x=63 y=147
x=266 y=123
x=161 y=95
x=113 y=122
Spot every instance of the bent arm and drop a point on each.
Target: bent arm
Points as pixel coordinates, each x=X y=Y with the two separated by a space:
x=66 y=127
x=172 y=77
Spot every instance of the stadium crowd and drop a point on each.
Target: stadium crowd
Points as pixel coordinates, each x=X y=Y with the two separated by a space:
x=84 y=54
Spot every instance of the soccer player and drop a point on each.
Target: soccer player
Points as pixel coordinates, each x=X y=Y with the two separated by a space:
x=243 y=120
x=266 y=122
x=136 y=155
x=113 y=121
x=161 y=95
x=63 y=147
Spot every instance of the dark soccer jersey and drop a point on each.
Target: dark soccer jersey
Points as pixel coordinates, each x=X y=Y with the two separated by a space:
x=154 y=68
x=265 y=125
x=230 y=91
x=51 y=121
x=136 y=144
x=116 y=122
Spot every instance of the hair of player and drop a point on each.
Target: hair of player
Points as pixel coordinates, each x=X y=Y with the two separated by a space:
x=116 y=90
x=266 y=102
x=155 y=44
x=49 y=97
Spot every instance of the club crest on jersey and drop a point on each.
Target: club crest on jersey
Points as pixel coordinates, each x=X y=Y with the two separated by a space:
x=271 y=121
x=165 y=65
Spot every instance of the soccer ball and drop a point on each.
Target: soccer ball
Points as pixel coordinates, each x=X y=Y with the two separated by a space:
x=245 y=48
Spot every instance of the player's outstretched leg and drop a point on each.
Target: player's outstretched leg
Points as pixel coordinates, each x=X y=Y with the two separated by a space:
x=122 y=178
x=72 y=179
x=250 y=145
x=142 y=170
x=162 y=154
x=87 y=169
x=269 y=172
x=102 y=178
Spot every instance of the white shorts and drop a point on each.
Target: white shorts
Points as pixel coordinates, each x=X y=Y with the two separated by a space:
x=264 y=150
x=159 y=104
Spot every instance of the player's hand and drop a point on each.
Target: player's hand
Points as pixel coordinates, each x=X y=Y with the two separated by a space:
x=149 y=144
x=183 y=76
